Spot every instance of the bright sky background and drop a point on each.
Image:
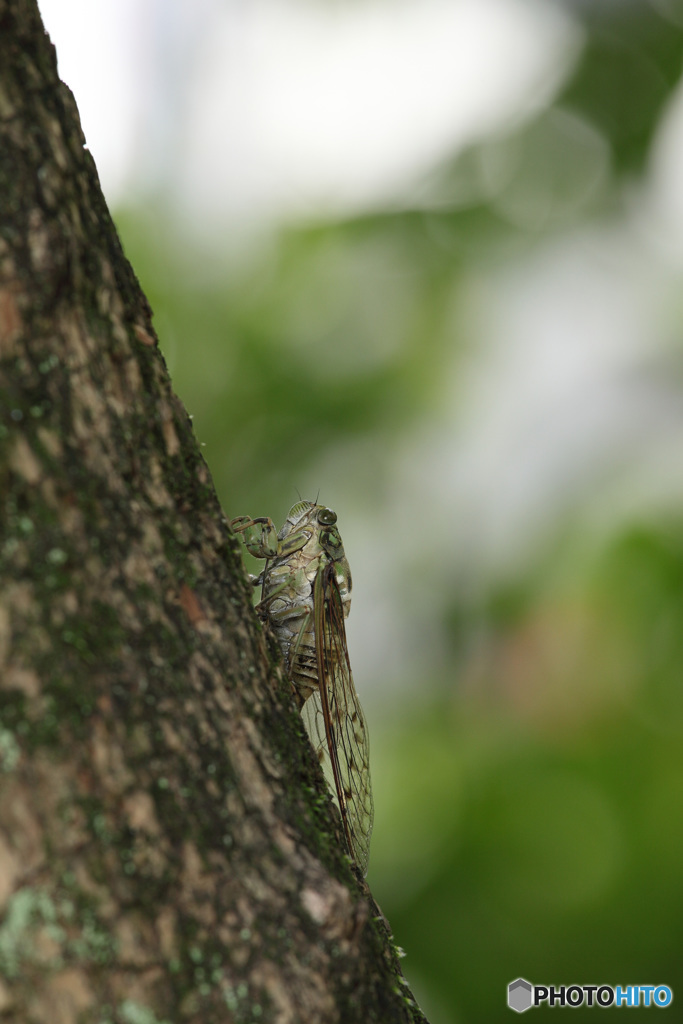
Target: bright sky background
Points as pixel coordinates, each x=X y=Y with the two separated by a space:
x=277 y=107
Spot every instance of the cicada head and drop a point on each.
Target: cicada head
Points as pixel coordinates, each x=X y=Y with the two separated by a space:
x=319 y=525
x=298 y=516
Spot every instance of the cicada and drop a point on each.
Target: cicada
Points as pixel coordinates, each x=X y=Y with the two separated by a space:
x=305 y=597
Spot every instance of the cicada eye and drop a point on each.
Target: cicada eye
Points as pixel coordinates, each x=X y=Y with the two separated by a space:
x=327 y=517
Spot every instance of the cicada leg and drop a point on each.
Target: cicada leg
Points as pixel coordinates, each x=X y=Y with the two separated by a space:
x=260 y=535
x=261 y=539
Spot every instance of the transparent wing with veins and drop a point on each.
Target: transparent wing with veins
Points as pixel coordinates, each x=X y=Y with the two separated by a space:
x=334 y=719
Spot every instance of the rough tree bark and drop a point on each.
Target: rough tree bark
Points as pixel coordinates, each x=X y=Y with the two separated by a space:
x=167 y=845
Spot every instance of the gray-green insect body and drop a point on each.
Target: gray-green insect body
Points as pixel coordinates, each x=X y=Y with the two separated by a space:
x=305 y=596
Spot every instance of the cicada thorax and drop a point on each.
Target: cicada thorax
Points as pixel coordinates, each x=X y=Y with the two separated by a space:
x=288 y=592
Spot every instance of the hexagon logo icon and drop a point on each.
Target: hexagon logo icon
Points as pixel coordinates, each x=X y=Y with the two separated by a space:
x=519 y=995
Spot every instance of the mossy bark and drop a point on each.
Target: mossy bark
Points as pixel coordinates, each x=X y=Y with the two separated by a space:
x=167 y=846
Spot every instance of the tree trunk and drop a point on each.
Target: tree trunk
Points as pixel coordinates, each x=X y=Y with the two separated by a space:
x=168 y=850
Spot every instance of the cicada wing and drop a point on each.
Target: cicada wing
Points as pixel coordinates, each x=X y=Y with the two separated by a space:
x=335 y=722
x=314 y=723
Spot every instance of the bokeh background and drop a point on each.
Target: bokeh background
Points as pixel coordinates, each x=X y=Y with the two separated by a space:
x=424 y=258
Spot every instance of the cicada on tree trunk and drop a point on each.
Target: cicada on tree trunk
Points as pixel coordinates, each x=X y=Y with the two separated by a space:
x=305 y=597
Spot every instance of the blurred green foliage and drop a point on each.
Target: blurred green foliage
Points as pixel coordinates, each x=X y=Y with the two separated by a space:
x=529 y=796
x=337 y=332
x=537 y=808
x=630 y=64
